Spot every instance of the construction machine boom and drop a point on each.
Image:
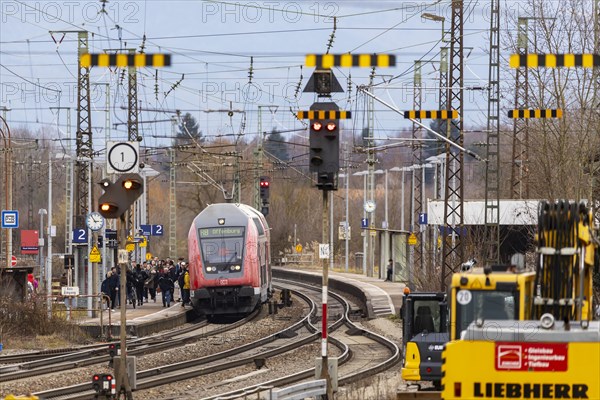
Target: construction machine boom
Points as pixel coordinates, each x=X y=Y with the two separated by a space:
x=555 y=352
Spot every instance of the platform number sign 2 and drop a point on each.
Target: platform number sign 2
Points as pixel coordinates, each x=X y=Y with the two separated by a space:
x=80 y=236
x=157 y=230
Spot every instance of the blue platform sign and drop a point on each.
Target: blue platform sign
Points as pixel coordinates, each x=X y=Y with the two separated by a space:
x=364 y=223
x=157 y=230
x=146 y=230
x=422 y=218
x=80 y=236
x=10 y=219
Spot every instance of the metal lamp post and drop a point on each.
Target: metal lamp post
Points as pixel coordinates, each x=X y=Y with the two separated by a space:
x=347 y=224
x=384 y=255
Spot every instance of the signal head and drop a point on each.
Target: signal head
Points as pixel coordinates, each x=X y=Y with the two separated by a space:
x=118 y=197
x=317 y=125
x=264 y=188
x=104 y=183
x=131 y=184
x=331 y=126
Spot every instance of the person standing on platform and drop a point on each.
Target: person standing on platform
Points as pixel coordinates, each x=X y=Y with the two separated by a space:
x=184 y=283
x=113 y=287
x=151 y=283
x=166 y=285
x=174 y=275
x=390 y=270
x=104 y=288
x=141 y=276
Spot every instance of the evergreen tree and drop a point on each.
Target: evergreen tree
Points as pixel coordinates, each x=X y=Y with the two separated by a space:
x=275 y=144
x=186 y=130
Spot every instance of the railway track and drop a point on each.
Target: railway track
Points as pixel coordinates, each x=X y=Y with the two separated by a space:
x=295 y=336
x=99 y=354
x=364 y=353
x=350 y=341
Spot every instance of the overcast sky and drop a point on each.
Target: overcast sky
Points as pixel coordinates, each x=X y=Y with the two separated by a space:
x=213 y=45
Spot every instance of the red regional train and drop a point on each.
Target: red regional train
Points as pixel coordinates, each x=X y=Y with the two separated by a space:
x=229 y=259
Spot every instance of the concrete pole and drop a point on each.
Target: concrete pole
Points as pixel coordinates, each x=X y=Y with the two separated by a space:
x=121 y=372
x=422 y=230
x=411 y=266
x=49 y=257
x=324 y=362
x=90 y=265
x=366 y=231
x=386 y=234
x=331 y=233
x=402 y=221
x=347 y=227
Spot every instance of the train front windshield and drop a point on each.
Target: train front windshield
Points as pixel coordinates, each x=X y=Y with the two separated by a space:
x=222 y=249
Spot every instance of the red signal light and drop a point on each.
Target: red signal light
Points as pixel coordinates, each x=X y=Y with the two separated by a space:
x=96 y=377
x=317 y=126
x=331 y=126
x=264 y=184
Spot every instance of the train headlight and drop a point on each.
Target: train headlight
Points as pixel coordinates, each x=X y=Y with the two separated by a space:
x=237 y=267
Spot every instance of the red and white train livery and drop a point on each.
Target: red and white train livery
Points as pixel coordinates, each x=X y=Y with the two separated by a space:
x=229 y=259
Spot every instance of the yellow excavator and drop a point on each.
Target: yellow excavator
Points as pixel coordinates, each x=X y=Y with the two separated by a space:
x=553 y=352
x=428 y=324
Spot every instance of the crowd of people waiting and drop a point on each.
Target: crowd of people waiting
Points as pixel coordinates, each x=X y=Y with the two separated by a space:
x=145 y=281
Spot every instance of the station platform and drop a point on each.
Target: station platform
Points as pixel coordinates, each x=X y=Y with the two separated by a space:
x=140 y=321
x=380 y=297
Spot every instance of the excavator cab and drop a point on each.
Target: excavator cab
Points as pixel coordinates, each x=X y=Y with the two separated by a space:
x=424 y=333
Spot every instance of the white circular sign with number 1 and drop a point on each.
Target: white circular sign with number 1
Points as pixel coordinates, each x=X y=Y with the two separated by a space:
x=122 y=157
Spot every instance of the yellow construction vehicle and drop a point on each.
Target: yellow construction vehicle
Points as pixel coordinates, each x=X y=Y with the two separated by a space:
x=554 y=353
x=475 y=293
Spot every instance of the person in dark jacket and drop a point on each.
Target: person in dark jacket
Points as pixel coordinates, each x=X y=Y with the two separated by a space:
x=141 y=276
x=166 y=285
x=184 y=284
x=113 y=287
x=131 y=286
x=105 y=289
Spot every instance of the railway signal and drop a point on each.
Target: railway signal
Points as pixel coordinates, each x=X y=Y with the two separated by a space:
x=324 y=143
x=104 y=385
x=265 y=183
x=119 y=196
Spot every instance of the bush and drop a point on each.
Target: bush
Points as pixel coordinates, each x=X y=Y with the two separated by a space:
x=22 y=320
